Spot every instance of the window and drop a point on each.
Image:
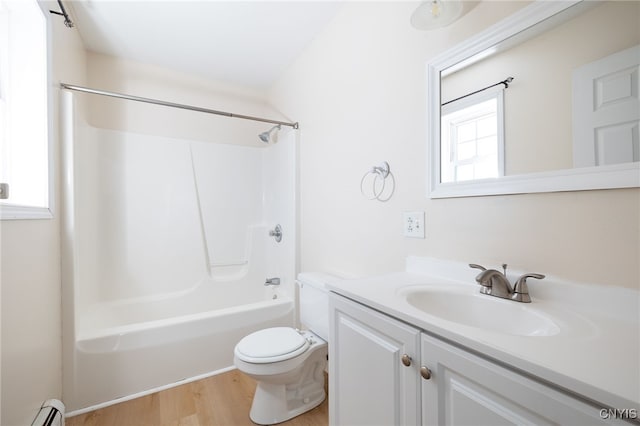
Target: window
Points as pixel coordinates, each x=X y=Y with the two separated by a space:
x=24 y=107
x=473 y=137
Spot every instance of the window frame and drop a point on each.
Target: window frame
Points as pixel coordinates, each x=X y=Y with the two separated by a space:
x=10 y=211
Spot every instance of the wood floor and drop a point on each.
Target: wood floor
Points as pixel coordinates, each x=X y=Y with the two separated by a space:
x=222 y=400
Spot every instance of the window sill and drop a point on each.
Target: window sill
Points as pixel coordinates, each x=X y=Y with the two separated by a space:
x=13 y=212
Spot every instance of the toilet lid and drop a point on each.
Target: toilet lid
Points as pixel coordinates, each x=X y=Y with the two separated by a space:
x=271 y=345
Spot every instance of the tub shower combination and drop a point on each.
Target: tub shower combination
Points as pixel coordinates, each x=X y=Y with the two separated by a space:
x=167 y=244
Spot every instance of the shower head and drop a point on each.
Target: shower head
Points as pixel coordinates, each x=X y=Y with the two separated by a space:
x=266 y=136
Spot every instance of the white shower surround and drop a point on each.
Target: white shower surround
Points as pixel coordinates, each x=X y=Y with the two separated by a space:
x=165 y=253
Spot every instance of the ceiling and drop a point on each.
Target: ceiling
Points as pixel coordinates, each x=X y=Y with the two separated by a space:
x=249 y=43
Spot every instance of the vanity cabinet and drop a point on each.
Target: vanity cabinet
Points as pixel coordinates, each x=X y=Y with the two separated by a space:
x=467 y=389
x=385 y=372
x=373 y=378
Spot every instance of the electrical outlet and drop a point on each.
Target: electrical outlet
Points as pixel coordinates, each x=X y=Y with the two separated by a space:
x=413 y=224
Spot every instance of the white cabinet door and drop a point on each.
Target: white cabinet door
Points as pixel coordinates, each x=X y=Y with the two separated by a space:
x=465 y=389
x=368 y=382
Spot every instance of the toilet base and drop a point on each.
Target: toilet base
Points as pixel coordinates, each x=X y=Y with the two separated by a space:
x=276 y=402
x=271 y=404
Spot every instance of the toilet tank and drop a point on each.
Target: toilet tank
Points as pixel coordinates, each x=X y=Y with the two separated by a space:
x=314 y=301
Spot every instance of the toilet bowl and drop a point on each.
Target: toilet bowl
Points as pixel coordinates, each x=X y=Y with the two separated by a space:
x=289 y=364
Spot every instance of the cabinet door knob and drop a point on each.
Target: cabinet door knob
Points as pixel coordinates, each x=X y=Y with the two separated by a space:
x=406 y=360
x=425 y=373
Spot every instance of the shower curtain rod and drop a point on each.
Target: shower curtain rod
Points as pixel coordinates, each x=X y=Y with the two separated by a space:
x=505 y=82
x=63 y=12
x=173 y=105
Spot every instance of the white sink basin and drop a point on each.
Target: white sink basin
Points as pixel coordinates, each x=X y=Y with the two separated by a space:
x=466 y=307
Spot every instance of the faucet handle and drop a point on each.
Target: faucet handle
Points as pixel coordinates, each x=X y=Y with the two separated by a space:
x=476 y=266
x=521 y=289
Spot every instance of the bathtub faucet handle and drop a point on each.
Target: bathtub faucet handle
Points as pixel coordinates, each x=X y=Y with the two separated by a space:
x=272 y=281
x=276 y=233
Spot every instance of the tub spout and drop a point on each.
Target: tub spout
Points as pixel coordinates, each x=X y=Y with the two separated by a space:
x=272 y=281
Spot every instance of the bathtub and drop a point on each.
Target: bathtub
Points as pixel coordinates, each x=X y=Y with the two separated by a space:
x=132 y=348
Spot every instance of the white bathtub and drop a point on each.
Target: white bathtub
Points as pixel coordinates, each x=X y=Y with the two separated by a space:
x=131 y=348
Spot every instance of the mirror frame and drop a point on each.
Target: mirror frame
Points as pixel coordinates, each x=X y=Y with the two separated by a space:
x=578 y=179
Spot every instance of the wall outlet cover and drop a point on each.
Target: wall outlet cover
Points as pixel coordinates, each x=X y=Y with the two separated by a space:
x=413 y=224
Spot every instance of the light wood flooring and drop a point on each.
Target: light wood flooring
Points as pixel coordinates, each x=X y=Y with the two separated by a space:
x=221 y=400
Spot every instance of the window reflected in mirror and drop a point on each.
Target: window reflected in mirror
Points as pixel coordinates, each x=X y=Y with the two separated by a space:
x=473 y=137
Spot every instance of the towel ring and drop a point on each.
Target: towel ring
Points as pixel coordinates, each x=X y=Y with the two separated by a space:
x=379 y=173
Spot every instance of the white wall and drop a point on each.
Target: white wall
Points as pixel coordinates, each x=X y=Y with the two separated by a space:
x=134 y=78
x=30 y=275
x=359 y=94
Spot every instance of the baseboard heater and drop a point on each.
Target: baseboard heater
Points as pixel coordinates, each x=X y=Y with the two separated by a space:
x=51 y=414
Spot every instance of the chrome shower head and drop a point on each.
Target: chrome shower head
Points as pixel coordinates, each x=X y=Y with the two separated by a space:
x=266 y=136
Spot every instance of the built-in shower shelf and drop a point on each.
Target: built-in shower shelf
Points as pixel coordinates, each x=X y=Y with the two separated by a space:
x=223 y=264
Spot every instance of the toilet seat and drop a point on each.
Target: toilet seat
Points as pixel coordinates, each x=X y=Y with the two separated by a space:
x=271 y=345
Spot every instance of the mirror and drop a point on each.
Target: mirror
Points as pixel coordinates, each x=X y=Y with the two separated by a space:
x=546 y=100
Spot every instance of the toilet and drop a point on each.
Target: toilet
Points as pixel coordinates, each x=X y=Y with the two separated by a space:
x=287 y=363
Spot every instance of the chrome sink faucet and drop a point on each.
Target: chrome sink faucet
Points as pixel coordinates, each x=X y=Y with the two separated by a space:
x=496 y=283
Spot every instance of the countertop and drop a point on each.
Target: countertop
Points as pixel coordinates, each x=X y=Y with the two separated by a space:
x=596 y=353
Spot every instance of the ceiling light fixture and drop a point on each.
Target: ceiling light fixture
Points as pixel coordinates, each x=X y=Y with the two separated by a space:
x=432 y=14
